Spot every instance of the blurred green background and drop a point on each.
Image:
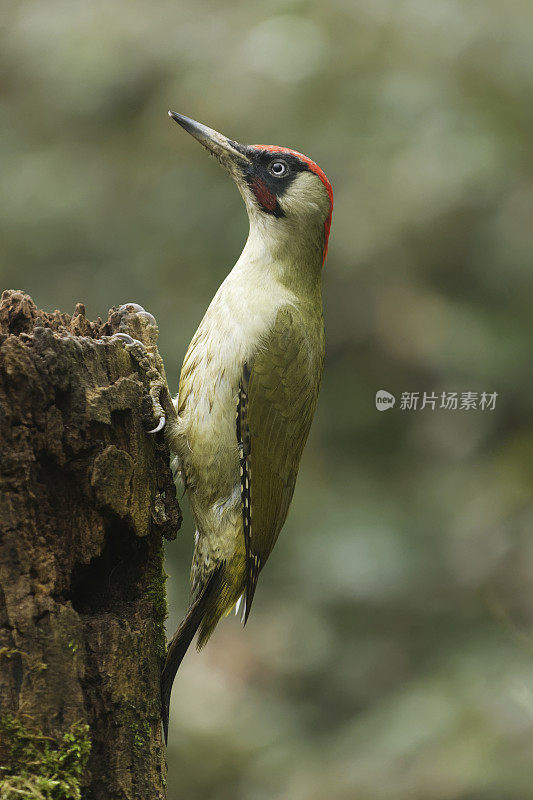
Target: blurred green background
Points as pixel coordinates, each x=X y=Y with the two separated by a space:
x=390 y=651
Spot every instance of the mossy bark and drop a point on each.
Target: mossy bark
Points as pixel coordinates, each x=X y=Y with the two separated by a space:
x=86 y=498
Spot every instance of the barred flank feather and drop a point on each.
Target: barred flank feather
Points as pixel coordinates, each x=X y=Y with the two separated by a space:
x=253 y=565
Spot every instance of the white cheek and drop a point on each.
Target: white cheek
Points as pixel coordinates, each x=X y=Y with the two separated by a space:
x=306 y=196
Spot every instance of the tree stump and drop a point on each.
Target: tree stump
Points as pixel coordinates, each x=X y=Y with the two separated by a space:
x=86 y=498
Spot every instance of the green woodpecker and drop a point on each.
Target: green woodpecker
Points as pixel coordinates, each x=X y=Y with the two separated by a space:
x=249 y=382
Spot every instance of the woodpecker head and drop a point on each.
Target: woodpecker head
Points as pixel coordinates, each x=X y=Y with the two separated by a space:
x=288 y=196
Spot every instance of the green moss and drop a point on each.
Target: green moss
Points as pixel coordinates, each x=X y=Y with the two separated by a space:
x=141 y=736
x=9 y=652
x=39 y=767
x=157 y=595
x=138 y=726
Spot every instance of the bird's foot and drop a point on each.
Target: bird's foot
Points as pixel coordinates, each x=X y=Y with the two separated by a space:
x=142 y=347
x=157 y=383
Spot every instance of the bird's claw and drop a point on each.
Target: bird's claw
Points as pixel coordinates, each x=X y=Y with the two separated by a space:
x=160 y=425
x=132 y=308
x=125 y=337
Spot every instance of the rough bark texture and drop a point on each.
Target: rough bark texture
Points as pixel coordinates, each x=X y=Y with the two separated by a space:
x=86 y=497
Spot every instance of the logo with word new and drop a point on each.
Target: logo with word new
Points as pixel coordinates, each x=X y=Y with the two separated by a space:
x=384 y=400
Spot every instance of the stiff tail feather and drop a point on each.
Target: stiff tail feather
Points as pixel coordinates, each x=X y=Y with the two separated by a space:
x=181 y=640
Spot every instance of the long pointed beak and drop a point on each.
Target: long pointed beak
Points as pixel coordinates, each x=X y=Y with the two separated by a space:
x=229 y=153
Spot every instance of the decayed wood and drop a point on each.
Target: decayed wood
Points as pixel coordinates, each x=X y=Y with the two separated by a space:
x=86 y=497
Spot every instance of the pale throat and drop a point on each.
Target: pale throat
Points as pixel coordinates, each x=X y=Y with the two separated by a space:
x=287 y=246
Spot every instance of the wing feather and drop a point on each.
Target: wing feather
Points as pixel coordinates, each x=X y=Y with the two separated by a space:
x=281 y=394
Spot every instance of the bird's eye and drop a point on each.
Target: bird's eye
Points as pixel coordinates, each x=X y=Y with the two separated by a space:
x=278 y=169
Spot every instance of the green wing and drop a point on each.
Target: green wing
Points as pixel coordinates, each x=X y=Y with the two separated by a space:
x=277 y=400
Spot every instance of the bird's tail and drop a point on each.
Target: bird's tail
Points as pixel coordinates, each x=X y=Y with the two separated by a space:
x=182 y=639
